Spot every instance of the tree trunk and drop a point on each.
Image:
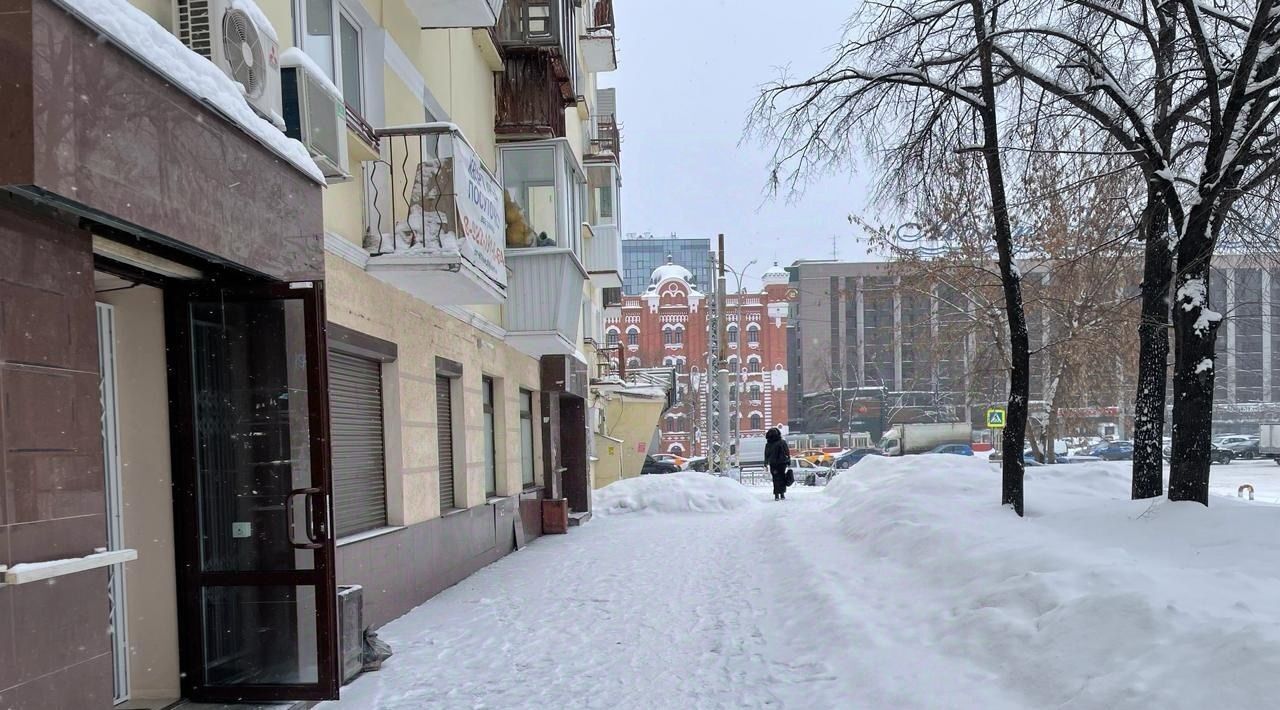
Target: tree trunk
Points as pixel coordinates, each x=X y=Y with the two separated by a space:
x=1153 y=352
x=1015 y=430
x=1195 y=332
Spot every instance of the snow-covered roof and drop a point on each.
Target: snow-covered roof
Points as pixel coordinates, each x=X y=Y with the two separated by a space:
x=136 y=32
x=775 y=275
x=670 y=270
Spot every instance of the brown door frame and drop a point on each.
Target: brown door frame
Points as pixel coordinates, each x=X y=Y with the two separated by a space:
x=186 y=523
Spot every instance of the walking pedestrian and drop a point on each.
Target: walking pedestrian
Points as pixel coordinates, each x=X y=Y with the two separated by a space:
x=778 y=457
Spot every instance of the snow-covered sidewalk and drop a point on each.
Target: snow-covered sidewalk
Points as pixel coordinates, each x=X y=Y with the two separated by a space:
x=901 y=586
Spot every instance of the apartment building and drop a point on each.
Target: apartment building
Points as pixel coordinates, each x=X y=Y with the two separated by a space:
x=857 y=327
x=294 y=329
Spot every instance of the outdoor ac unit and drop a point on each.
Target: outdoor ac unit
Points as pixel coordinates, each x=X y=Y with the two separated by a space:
x=235 y=36
x=317 y=118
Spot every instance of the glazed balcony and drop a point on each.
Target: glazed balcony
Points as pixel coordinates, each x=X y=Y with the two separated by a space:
x=548 y=28
x=435 y=224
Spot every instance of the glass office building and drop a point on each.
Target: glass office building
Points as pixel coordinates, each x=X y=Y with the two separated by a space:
x=641 y=255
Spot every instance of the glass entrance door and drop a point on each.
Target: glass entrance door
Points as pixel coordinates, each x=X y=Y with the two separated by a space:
x=254 y=495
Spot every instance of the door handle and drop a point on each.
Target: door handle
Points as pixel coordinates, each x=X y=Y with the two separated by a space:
x=313 y=544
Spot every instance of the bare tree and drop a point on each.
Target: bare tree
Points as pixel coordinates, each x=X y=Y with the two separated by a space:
x=1189 y=92
x=915 y=82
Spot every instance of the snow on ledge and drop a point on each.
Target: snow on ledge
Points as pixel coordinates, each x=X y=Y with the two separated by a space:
x=295 y=57
x=681 y=492
x=135 y=31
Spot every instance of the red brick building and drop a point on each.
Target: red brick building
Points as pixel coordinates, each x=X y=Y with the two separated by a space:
x=666 y=326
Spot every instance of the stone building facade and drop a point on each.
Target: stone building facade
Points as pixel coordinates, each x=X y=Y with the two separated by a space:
x=667 y=326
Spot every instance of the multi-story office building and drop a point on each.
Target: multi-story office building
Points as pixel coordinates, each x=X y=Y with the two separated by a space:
x=667 y=326
x=296 y=311
x=642 y=254
x=855 y=327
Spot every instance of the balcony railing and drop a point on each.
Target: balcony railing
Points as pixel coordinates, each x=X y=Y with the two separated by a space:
x=435 y=225
x=606 y=136
x=530 y=99
x=544 y=26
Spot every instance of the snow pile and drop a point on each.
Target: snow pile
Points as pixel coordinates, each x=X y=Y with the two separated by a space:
x=295 y=57
x=681 y=492
x=134 y=30
x=1092 y=600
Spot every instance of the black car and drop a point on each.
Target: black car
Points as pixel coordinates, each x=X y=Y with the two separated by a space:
x=849 y=458
x=653 y=466
x=1113 y=451
x=1220 y=454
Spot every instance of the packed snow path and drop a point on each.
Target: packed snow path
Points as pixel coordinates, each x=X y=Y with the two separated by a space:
x=727 y=610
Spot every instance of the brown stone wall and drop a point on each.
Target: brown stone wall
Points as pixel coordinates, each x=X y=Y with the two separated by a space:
x=54 y=641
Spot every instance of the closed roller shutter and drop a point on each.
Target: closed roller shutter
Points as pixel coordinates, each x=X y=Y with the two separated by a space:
x=444 y=429
x=359 y=469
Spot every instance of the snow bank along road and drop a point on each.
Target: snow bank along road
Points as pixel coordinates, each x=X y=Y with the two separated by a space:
x=900 y=586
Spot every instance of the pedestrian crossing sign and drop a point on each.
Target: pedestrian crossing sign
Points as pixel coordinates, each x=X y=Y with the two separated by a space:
x=995 y=418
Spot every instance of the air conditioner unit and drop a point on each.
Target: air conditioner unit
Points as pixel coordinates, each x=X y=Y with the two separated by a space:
x=235 y=36
x=315 y=115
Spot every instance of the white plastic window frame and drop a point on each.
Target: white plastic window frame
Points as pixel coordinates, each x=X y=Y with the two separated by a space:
x=371 y=39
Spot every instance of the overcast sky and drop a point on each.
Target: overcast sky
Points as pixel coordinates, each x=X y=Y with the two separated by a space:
x=688 y=73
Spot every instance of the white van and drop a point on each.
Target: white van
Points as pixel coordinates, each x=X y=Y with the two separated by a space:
x=751 y=452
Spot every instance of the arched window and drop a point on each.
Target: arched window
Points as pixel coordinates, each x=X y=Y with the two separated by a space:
x=611 y=337
x=677 y=335
x=733 y=363
x=753 y=364
x=753 y=333
x=756 y=422
x=633 y=336
x=668 y=337
x=676 y=449
x=733 y=335
x=633 y=362
x=754 y=393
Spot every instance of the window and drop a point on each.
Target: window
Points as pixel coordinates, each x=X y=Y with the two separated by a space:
x=668 y=336
x=633 y=361
x=356 y=444
x=753 y=334
x=490 y=440
x=677 y=335
x=601 y=185
x=733 y=363
x=332 y=39
x=755 y=393
x=349 y=54
x=611 y=338
x=753 y=365
x=633 y=337
x=526 y=439
x=530 y=177
x=756 y=421
x=733 y=334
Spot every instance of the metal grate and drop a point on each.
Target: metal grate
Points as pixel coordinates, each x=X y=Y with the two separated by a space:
x=444 y=430
x=194 y=27
x=358 y=449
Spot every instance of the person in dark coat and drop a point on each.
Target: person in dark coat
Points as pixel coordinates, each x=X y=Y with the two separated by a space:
x=778 y=456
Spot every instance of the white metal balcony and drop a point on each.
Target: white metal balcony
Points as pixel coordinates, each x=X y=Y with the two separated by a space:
x=544 y=310
x=435 y=224
x=456 y=13
x=603 y=256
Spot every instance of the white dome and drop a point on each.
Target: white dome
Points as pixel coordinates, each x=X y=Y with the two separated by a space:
x=775 y=275
x=670 y=270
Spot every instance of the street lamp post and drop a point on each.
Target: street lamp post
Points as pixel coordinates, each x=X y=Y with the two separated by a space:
x=737 y=375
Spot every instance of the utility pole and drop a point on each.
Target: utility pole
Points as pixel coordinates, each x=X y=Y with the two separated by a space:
x=708 y=426
x=722 y=364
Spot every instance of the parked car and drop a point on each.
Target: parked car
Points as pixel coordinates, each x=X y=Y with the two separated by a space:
x=677 y=460
x=1240 y=445
x=1220 y=454
x=953 y=449
x=654 y=466
x=1113 y=451
x=849 y=458
x=815 y=456
x=697 y=463
x=810 y=473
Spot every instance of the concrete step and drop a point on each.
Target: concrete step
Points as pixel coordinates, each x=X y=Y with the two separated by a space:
x=576 y=519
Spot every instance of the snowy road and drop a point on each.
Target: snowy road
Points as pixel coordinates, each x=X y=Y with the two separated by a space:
x=740 y=609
